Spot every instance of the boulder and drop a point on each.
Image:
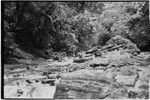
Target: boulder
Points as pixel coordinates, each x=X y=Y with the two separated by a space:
x=119 y=40
x=83 y=84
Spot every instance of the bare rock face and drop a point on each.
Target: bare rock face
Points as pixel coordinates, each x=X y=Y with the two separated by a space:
x=119 y=40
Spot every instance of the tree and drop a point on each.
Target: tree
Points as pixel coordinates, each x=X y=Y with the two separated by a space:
x=139 y=28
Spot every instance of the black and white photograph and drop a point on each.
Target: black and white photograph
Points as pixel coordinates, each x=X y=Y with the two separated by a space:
x=75 y=49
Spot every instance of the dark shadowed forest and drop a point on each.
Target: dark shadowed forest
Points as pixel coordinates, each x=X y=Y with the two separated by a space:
x=83 y=50
x=47 y=29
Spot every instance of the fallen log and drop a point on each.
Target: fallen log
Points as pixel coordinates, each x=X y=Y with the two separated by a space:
x=106 y=47
x=91 y=51
x=116 y=47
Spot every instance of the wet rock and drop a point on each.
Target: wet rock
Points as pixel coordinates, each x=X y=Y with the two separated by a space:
x=99 y=62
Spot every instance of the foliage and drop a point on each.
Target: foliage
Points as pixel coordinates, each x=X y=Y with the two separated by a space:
x=139 y=28
x=40 y=27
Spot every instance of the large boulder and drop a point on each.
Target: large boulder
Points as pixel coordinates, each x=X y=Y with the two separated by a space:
x=83 y=84
x=119 y=40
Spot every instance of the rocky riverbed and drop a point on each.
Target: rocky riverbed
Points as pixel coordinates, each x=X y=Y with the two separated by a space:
x=117 y=73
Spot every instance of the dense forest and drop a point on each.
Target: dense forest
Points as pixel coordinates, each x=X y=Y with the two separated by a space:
x=45 y=29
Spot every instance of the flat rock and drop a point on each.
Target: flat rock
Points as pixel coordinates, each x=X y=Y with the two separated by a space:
x=127 y=75
x=43 y=91
x=126 y=80
x=83 y=84
x=35 y=90
x=81 y=89
x=86 y=74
